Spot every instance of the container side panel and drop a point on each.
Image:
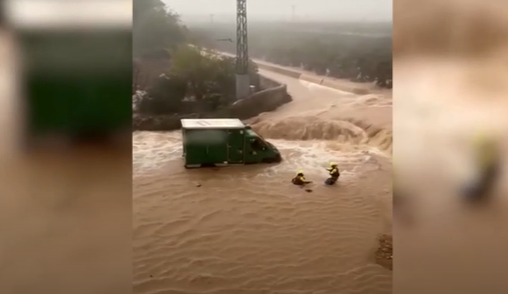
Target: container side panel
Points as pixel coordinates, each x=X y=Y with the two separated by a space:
x=196 y=155
x=206 y=146
x=236 y=145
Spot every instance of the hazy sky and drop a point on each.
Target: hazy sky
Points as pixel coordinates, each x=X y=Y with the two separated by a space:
x=346 y=10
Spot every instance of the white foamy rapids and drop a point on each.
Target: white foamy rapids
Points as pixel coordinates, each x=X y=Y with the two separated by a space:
x=347 y=98
x=151 y=150
x=314 y=156
x=154 y=150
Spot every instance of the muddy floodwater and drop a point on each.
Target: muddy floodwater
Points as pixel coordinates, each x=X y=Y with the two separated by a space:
x=247 y=229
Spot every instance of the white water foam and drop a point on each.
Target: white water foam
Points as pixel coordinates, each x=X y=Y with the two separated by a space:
x=153 y=150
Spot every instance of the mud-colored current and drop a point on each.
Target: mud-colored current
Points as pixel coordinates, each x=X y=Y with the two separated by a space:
x=247 y=229
x=444 y=105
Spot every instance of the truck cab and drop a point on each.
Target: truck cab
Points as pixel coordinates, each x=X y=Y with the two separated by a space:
x=258 y=149
x=217 y=142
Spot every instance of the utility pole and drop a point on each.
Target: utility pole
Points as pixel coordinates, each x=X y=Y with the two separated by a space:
x=211 y=18
x=242 y=52
x=293 y=15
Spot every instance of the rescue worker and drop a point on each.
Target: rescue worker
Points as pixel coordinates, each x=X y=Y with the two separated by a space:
x=488 y=160
x=402 y=207
x=334 y=173
x=300 y=179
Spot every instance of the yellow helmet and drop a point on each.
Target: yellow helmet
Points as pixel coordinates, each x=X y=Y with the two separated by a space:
x=300 y=173
x=333 y=164
x=484 y=140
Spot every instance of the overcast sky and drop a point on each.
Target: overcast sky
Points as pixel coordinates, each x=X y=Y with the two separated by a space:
x=345 y=10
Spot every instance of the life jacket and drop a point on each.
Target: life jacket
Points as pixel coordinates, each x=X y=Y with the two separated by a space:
x=334 y=172
x=298 y=180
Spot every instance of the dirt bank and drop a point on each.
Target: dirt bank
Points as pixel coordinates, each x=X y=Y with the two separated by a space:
x=274 y=95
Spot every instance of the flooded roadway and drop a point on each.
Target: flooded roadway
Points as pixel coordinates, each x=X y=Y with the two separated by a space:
x=247 y=229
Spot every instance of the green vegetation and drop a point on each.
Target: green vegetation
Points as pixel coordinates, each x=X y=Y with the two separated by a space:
x=173 y=77
x=155 y=27
x=359 y=52
x=191 y=82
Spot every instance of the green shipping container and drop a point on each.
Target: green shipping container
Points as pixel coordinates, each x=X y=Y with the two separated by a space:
x=77 y=82
x=216 y=142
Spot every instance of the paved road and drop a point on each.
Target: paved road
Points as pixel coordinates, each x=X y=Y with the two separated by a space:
x=374 y=109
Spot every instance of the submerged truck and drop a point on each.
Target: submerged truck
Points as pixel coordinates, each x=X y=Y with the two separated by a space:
x=217 y=142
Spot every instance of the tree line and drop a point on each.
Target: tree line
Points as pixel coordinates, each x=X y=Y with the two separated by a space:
x=337 y=52
x=170 y=76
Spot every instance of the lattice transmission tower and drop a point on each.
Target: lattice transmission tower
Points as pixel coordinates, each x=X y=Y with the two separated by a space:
x=242 y=51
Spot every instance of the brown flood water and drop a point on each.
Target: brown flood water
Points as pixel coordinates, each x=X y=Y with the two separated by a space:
x=450 y=74
x=65 y=215
x=247 y=229
x=459 y=248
